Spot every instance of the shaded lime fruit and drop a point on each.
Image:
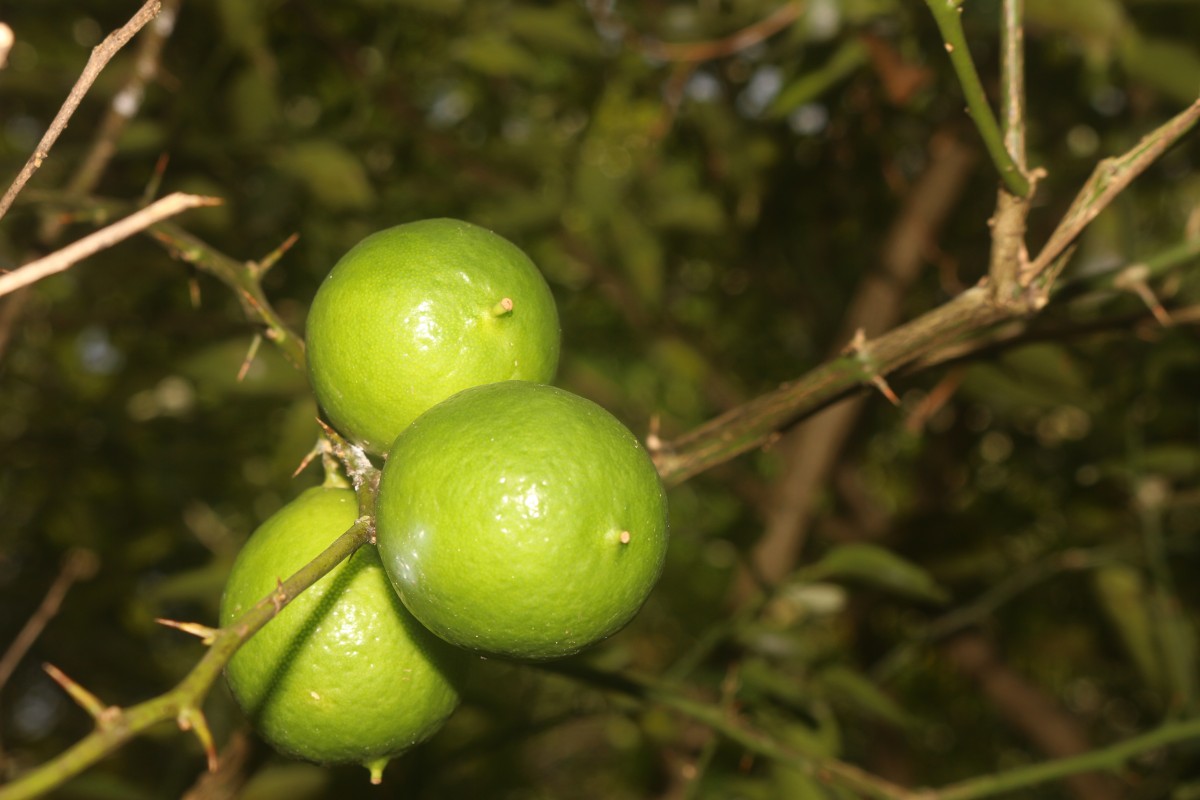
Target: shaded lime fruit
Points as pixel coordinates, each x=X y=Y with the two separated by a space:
x=344 y=673
x=521 y=520
x=412 y=314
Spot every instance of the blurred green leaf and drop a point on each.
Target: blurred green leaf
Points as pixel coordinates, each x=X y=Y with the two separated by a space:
x=640 y=255
x=875 y=566
x=845 y=61
x=851 y=688
x=1121 y=592
x=496 y=55
x=558 y=29
x=1098 y=23
x=252 y=105
x=1171 y=67
x=333 y=175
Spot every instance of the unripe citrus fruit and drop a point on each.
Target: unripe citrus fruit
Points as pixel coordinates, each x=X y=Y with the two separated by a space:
x=343 y=673
x=521 y=520
x=412 y=314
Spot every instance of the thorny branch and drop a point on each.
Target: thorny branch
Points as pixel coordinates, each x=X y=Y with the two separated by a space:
x=183 y=703
x=91 y=244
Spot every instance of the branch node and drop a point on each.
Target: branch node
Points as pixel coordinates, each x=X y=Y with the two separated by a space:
x=358 y=465
x=858 y=348
x=279 y=597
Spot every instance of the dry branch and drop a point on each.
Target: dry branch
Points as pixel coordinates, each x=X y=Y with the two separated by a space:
x=91 y=244
x=100 y=57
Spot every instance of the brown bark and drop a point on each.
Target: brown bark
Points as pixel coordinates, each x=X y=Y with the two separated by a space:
x=1030 y=710
x=811 y=450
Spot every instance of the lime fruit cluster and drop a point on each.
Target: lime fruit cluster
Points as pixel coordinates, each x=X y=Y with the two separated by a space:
x=513 y=518
x=521 y=520
x=343 y=674
x=412 y=314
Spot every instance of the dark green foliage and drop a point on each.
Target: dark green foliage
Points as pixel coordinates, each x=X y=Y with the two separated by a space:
x=704 y=227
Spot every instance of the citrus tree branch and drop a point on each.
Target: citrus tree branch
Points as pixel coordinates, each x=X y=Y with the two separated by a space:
x=1012 y=209
x=121 y=109
x=243 y=277
x=1133 y=278
x=1109 y=179
x=100 y=57
x=865 y=364
x=91 y=244
x=1104 y=758
x=829 y=771
x=834 y=772
x=756 y=422
x=79 y=564
x=947 y=15
x=115 y=726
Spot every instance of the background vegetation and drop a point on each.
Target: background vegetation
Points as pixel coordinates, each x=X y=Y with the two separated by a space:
x=993 y=572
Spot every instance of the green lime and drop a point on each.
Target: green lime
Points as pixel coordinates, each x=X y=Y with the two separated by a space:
x=521 y=520
x=344 y=673
x=412 y=314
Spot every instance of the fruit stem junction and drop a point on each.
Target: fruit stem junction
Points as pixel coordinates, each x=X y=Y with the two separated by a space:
x=505 y=306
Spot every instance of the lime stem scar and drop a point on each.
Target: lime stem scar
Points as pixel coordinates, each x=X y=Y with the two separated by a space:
x=505 y=306
x=625 y=537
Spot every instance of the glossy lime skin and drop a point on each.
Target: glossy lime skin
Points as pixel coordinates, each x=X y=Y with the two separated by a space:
x=412 y=314
x=344 y=674
x=521 y=520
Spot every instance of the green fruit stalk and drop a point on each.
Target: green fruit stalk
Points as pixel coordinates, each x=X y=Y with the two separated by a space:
x=343 y=674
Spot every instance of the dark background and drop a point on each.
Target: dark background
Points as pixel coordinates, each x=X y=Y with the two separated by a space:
x=708 y=228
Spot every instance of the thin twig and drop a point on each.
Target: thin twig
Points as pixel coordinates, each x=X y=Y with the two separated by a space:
x=121 y=109
x=184 y=701
x=947 y=15
x=828 y=771
x=63 y=259
x=1108 y=179
x=244 y=278
x=695 y=52
x=734 y=43
x=78 y=565
x=1104 y=758
x=753 y=423
x=100 y=57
